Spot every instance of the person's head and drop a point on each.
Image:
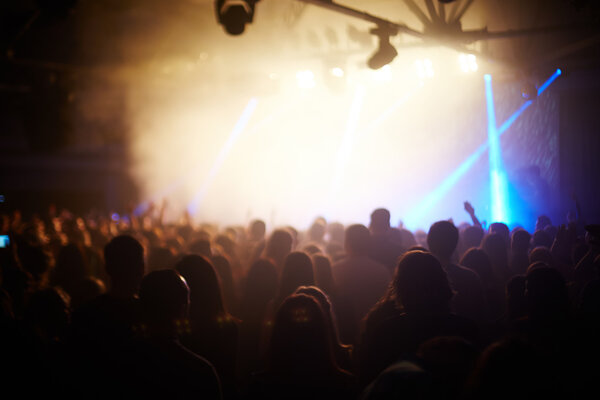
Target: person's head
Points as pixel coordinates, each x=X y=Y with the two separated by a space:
x=421 y=285
x=70 y=268
x=327 y=308
x=257 y=230
x=520 y=241
x=542 y=222
x=502 y=230
x=279 y=244
x=472 y=236
x=34 y=260
x=357 y=241
x=317 y=230
x=442 y=239
x=541 y=238
x=541 y=254
x=335 y=230
x=546 y=292
x=323 y=273
x=477 y=260
x=160 y=257
x=496 y=248
x=201 y=247
x=124 y=261
x=380 y=221
x=300 y=343
x=164 y=299
x=206 y=301
x=297 y=271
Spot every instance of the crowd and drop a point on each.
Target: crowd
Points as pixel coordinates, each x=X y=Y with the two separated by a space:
x=110 y=307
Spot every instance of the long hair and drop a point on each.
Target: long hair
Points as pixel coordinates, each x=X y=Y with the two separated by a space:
x=300 y=343
x=206 y=299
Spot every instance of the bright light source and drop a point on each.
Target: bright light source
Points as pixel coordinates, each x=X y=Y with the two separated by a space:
x=468 y=62
x=305 y=79
x=273 y=76
x=384 y=74
x=337 y=72
x=424 y=68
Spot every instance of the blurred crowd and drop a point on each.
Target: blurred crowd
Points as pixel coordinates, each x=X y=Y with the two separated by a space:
x=101 y=306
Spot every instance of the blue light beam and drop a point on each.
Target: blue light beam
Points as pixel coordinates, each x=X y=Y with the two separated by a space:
x=438 y=193
x=498 y=184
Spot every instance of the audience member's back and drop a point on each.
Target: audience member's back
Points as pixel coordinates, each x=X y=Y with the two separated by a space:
x=386 y=246
x=301 y=363
x=424 y=293
x=360 y=282
x=469 y=300
x=214 y=333
x=164 y=368
x=103 y=329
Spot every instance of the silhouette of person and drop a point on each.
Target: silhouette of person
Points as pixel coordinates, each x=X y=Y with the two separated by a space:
x=165 y=368
x=301 y=362
x=360 y=281
x=424 y=293
x=469 y=300
x=103 y=329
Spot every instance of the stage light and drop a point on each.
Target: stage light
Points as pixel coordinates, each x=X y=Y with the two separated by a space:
x=337 y=72
x=235 y=14
x=384 y=55
x=305 y=79
x=424 y=68
x=468 y=62
x=498 y=180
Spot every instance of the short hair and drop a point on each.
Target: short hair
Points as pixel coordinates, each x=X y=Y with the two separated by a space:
x=358 y=239
x=380 y=218
x=163 y=295
x=421 y=283
x=442 y=238
x=124 y=258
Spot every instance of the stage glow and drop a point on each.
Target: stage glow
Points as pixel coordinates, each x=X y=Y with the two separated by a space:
x=222 y=156
x=424 y=68
x=414 y=218
x=306 y=79
x=383 y=74
x=345 y=150
x=468 y=62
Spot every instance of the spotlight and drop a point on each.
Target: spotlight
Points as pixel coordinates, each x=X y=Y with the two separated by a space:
x=529 y=91
x=305 y=79
x=235 y=14
x=385 y=53
x=337 y=72
x=468 y=62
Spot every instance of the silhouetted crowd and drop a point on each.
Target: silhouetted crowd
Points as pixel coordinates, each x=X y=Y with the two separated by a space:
x=129 y=306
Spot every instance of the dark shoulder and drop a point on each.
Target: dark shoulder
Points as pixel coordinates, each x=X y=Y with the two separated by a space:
x=462 y=272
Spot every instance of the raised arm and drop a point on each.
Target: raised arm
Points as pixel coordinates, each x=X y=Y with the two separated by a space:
x=471 y=211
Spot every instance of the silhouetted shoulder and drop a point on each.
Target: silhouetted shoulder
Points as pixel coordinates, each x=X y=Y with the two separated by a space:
x=168 y=369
